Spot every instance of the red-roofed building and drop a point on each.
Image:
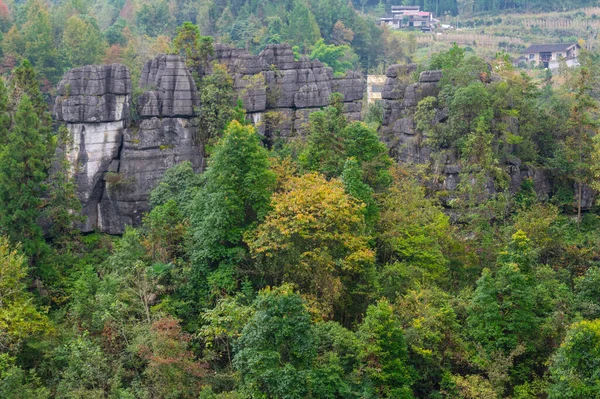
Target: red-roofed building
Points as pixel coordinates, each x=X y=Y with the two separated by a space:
x=406 y=17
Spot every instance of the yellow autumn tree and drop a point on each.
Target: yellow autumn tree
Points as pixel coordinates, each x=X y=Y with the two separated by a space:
x=314 y=237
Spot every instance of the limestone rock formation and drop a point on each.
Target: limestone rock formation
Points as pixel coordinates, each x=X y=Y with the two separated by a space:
x=94 y=103
x=171 y=89
x=280 y=92
x=117 y=160
x=116 y=164
x=400 y=96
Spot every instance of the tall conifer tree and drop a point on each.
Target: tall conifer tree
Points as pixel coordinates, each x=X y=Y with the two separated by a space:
x=22 y=173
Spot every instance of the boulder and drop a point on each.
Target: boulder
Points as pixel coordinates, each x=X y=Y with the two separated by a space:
x=430 y=76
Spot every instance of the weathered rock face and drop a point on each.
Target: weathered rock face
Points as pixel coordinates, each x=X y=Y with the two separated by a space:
x=400 y=97
x=171 y=89
x=93 y=94
x=94 y=103
x=117 y=162
x=279 y=92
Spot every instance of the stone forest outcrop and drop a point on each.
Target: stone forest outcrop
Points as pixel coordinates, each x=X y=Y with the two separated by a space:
x=117 y=161
x=400 y=97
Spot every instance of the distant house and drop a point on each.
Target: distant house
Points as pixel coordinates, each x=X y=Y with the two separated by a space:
x=406 y=17
x=549 y=55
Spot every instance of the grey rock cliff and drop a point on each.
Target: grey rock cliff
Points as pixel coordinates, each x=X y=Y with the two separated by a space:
x=280 y=92
x=400 y=97
x=94 y=103
x=117 y=162
x=165 y=135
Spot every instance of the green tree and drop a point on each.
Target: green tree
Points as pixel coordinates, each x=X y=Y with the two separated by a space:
x=223 y=326
x=575 y=368
x=587 y=291
x=166 y=227
x=5 y=120
x=433 y=335
x=414 y=231
x=83 y=42
x=383 y=355
x=190 y=44
x=501 y=314
x=324 y=150
x=37 y=33
x=314 y=237
x=339 y=58
x=276 y=350
x=62 y=209
x=235 y=195
x=24 y=81
x=303 y=29
x=179 y=184
x=218 y=102
x=154 y=18
x=352 y=177
x=20 y=320
x=582 y=126
x=16 y=383
x=85 y=370
x=362 y=143
x=332 y=140
x=23 y=164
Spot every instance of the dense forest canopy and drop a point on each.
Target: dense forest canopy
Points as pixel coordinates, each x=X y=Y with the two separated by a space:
x=56 y=36
x=314 y=266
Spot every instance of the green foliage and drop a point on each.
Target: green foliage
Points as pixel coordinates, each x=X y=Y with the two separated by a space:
x=432 y=332
x=413 y=231
x=314 y=237
x=352 y=177
x=574 y=368
x=218 y=104
x=275 y=351
x=38 y=42
x=325 y=146
x=23 y=162
x=170 y=309
x=587 y=293
x=83 y=42
x=154 y=18
x=16 y=383
x=332 y=140
x=86 y=369
x=303 y=29
x=63 y=208
x=383 y=354
x=178 y=184
x=190 y=44
x=339 y=58
x=19 y=318
x=235 y=196
x=501 y=312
